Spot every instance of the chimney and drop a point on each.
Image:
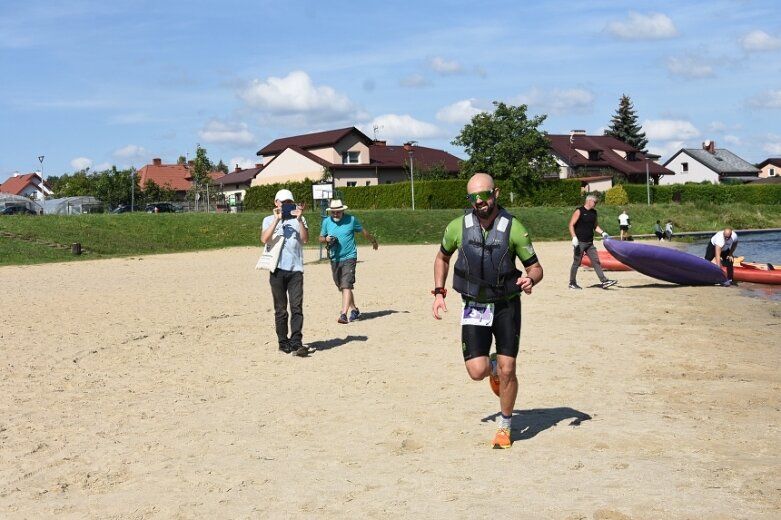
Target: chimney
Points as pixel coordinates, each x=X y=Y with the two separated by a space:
x=238 y=169
x=709 y=146
x=258 y=165
x=157 y=161
x=577 y=132
x=380 y=143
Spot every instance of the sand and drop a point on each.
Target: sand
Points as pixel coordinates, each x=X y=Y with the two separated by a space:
x=151 y=387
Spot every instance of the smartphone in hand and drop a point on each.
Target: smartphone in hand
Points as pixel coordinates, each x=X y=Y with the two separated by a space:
x=287 y=210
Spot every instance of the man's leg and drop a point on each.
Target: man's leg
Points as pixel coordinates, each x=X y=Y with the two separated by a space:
x=278 y=282
x=295 y=288
x=725 y=261
x=591 y=251
x=573 y=270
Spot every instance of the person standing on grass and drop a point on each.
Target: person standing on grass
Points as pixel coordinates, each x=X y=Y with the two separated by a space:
x=624 y=224
x=488 y=240
x=338 y=234
x=287 y=280
x=582 y=225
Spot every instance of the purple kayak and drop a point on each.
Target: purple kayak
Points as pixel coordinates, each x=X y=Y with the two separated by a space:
x=664 y=263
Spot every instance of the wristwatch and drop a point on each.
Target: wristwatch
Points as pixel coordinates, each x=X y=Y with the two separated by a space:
x=439 y=290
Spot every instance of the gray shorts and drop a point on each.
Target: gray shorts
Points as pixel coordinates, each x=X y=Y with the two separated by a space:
x=344 y=273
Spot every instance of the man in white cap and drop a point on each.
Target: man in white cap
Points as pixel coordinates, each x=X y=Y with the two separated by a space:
x=338 y=234
x=287 y=280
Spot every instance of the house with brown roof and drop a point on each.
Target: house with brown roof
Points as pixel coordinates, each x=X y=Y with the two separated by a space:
x=708 y=164
x=175 y=177
x=349 y=157
x=30 y=185
x=770 y=167
x=233 y=186
x=598 y=160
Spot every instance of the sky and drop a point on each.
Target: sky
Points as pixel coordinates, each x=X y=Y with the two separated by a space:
x=95 y=84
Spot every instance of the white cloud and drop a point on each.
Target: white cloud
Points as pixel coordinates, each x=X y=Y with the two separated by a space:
x=296 y=95
x=133 y=154
x=445 y=67
x=235 y=133
x=81 y=163
x=651 y=26
x=759 y=41
x=403 y=128
x=689 y=66
x=767 y=99
x=459 y=112
x=669 y=130
x=414 y=81
x=242 y=162
x=557 y=101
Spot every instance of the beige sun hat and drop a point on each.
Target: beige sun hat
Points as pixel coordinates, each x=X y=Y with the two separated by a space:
x=336 y=205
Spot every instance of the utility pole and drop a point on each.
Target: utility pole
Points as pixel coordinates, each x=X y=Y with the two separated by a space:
x=408 y=147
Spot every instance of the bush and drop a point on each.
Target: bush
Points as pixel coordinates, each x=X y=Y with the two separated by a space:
x=616 y=196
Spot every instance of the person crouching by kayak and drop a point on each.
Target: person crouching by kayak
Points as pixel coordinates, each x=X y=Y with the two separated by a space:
x=721 y=249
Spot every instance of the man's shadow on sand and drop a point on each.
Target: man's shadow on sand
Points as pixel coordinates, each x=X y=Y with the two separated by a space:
x=328 y=344
x=528 y=423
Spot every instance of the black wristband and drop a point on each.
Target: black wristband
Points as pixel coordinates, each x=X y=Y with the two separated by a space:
x=439 y=290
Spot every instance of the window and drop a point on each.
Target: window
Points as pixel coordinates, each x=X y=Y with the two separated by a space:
x=771 y=172
x=352 y=184
x=593 y=155
x=350 y=157
x=368 y=183
x=631 y=156
x=684 y=167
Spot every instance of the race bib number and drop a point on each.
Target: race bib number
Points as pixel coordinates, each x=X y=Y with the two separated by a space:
x=475 y=313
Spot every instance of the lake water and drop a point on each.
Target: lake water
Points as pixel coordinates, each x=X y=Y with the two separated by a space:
x=756 y=247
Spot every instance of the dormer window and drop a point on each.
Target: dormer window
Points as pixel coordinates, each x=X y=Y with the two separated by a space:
x=350 y=157
x=593 y=155
x=631 y=156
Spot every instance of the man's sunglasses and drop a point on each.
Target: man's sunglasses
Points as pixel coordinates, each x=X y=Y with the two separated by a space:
x=482 y=195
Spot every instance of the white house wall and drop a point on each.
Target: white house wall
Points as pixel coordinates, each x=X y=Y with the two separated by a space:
x=289 y=166
x=697 y=171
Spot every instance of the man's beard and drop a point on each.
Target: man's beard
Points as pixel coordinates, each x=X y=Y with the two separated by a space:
x=484 y=211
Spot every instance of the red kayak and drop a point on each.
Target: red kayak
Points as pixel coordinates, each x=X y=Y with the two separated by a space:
x=607 y=261
x=754 y=273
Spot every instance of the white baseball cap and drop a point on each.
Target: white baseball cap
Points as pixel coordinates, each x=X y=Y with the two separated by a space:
x=284 y=195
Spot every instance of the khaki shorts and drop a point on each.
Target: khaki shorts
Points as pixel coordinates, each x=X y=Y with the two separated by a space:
x=344 y=273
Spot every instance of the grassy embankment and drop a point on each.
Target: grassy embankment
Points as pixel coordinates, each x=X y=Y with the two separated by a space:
x=32 y=240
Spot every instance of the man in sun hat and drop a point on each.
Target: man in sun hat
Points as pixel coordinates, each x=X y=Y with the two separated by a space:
x=287 y=280
x=489 y=240
x=338 y=234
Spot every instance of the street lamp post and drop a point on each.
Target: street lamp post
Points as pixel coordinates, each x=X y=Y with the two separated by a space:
x=647 y=184
x=132 y=190
x=40 y=159
x=408 y=146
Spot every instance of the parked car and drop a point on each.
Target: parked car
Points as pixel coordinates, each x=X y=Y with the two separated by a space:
x=125 y=208
x=160 y=207
x=17 y=210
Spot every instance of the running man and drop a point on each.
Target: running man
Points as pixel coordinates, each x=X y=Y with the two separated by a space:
x=488 y=240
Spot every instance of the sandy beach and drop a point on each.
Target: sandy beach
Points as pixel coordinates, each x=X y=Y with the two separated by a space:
x=152 y=388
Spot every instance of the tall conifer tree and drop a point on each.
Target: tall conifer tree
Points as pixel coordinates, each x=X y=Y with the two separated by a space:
x=624 y=125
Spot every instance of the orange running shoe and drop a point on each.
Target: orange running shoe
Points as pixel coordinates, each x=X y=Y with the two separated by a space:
x=502 y=439
x=493 y=378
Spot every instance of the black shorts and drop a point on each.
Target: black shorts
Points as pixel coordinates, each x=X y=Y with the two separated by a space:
x=506 y=328
x=624 y=228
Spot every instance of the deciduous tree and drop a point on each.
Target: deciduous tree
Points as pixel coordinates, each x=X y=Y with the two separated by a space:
x=508 y=145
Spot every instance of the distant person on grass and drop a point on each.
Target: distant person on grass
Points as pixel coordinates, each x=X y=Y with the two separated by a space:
x=721 y=250
x=658 y=230
x=488 y=241
x=287 y=280
x=338 y=234
x=668 y=230
x=582 y=225
x=624 y=223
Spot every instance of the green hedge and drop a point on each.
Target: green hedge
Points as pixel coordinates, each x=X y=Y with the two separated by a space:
x=451 y=194
x=706 y=193
x=447 y=194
